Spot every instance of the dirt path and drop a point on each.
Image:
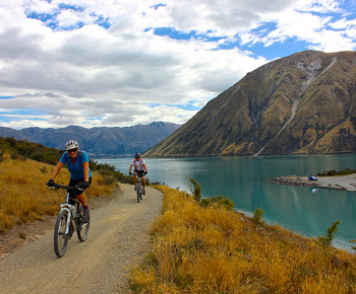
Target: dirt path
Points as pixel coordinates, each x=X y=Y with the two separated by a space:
x=118 y=238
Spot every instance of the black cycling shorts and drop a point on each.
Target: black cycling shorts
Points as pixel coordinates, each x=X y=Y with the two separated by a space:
x=140 y=173
x=74 y=182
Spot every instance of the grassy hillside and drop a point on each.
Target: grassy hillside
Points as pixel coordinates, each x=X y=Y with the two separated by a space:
x=215 y=250
x=25 y=197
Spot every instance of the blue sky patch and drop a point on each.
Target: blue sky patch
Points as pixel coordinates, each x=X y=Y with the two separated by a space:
x=44 y=17
x=349 y=6
x=158 y=6
x=277 y=50
x=9 y=119
x=103 y=22
x=7 y=97
x=90 y=119
x=333 y=16
x=78 y=25
x=188 y=106
x=173 y=33
x=26 y=112
x=70 y=7
x=264 y=29
x=177 y=35
x=50 y=19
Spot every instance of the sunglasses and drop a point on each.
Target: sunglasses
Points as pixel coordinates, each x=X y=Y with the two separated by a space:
x=72 y=150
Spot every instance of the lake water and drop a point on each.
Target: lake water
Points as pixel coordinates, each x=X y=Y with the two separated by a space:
x=245 y=180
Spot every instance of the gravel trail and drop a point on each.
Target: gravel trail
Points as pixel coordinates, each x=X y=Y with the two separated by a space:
x=118 y=238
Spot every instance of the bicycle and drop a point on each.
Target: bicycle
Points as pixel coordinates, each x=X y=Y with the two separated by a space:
x=139 y=187
x=70 y=217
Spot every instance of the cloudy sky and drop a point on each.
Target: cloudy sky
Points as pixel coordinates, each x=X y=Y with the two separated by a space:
x=117 y=63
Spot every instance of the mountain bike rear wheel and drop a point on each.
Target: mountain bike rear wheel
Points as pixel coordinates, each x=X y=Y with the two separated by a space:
x=82 y=227
x=60 y=236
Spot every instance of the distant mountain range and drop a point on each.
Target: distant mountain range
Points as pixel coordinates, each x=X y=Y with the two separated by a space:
x=300 y=104
x=98 y=142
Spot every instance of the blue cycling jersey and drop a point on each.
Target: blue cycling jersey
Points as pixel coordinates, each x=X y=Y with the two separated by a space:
x=76 y=170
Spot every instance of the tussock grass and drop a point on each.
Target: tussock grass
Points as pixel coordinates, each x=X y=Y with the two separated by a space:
x=213 y=250
x=25 y=197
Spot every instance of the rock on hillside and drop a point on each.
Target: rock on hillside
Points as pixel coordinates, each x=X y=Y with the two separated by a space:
x=303 y=103
x=98 y=142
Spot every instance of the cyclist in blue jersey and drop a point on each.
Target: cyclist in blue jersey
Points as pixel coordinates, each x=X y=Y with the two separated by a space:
x=140 y=169
x=80 y=173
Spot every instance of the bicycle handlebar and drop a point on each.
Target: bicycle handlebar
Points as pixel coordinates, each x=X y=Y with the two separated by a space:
x=57 y=186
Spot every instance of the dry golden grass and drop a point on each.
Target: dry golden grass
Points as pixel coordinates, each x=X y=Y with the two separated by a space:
x=25 y=197
x=213 y=250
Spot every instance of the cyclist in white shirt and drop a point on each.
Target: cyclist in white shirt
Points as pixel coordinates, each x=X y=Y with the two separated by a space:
x=140 y=169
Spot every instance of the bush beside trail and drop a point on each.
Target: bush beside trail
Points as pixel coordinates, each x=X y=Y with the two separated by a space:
x=212 y=249
x=25 y=197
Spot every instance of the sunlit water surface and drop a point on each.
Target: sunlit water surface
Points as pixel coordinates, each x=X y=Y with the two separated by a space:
x=245 y=180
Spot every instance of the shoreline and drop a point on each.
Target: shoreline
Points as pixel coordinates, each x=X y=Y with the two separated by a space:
x=347 y=182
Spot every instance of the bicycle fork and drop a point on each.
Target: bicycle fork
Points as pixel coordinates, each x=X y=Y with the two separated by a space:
x=68 y=209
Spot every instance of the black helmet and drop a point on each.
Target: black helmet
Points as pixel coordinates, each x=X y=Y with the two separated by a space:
x=137 y=155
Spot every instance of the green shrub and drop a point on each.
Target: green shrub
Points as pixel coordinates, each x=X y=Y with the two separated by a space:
x=347 y=172
x=258 y=216
x=353 y=247
x=325 y=241
x=4 y=148
x=196 y=190
x=25 y=149
x=219 y=201
x=333 y=172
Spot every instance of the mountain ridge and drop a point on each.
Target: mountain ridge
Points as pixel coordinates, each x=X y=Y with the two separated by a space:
x=99 y=142
x=303 y=103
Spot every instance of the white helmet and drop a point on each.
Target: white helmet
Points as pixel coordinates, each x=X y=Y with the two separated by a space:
x=71 y=144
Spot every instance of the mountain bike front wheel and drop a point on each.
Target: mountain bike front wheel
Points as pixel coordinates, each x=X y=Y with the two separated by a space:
x=60 y=236
x=82 y=227
x=138 y=191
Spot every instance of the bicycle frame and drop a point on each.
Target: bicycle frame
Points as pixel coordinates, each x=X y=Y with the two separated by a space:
x=139 y=180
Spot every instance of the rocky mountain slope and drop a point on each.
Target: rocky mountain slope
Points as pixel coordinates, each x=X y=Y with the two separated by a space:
x=98 y=142
x=303 y=103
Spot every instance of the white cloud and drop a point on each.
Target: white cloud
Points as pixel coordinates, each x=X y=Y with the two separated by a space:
x=109 y=77
x=67 y=19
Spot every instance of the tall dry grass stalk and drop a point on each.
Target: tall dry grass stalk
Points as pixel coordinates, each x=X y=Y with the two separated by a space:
x=213 y=250
x=24 y=195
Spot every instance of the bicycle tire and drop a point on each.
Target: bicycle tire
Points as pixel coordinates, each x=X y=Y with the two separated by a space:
x=82 y=227
x=60 y=237
x=138 y=192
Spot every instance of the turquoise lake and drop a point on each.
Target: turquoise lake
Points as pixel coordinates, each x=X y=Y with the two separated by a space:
x=245 y=180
